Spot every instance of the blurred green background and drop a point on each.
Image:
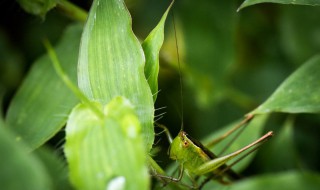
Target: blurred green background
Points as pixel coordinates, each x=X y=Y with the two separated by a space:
x=230 y=63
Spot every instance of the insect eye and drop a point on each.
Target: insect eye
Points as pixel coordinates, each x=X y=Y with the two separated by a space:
x=185 y=143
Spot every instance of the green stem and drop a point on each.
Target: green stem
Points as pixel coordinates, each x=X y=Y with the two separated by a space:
x=57 y=66
x=72 y=10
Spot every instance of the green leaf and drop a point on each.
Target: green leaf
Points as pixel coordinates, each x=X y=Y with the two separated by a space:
x=247 y=3
x=273 y=150
x=293 y=180
x=41 y=106
x=151 y=46
x=290 y=180
x=20 y=169
x=299 y=93
x=2 y=93
x=37 y=7
x=55 y=166
x=252 y=132
x=108 y=151
x=111 y=62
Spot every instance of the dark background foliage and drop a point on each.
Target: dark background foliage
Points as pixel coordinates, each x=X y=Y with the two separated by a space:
x=231 y=62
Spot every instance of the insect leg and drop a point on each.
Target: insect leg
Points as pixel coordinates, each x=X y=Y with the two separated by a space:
x=170 y=178
x=166 y=131
x=219 y=176
x=239 y=159
x=212 y=165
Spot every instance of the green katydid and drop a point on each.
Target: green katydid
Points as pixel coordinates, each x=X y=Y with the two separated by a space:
x=196 y=160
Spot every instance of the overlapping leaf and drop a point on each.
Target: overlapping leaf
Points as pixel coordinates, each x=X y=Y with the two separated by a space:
x=106 y=152
x=151 y=46
x=111 y=62
x=43 y=102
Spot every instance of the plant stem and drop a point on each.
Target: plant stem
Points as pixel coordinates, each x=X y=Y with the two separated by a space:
x=73 y=11
x=57 y=66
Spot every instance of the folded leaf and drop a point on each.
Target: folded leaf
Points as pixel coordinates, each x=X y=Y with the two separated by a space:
x=151 y=46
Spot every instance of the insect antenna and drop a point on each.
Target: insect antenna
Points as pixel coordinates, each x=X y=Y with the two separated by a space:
x=179 y=69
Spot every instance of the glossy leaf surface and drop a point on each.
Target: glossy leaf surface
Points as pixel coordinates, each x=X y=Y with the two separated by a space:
x=111 y=62
x=104 y=153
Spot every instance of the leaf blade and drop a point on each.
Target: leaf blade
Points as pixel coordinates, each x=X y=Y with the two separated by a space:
x=248 y=3
x=101 y=151
x=151 y=47
x=291 y=180
x=299 y=93
x=17 y=163
x=41 y=105
x=111 y=62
